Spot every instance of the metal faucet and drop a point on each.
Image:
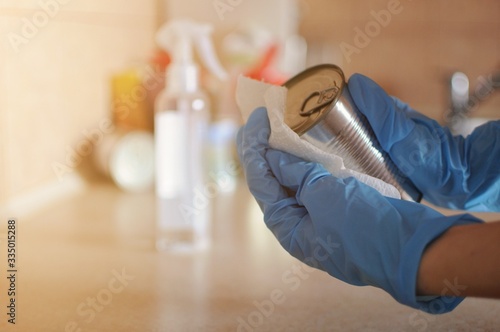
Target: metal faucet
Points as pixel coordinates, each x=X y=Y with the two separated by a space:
x=462 y=103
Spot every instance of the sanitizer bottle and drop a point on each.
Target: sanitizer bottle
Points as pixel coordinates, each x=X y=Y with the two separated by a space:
x=182 y=117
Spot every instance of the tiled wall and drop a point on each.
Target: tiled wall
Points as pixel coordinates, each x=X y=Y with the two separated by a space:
x=413 y=51
x=56 y=58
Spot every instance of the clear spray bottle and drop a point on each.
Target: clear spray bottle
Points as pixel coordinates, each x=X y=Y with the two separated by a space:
x=182 y=117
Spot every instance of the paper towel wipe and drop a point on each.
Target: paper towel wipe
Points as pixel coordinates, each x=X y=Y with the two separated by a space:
x=251 y=94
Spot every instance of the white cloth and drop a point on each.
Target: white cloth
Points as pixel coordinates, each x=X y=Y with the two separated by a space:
x=251 y=94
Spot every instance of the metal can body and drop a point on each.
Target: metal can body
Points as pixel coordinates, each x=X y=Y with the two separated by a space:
x=322 y=112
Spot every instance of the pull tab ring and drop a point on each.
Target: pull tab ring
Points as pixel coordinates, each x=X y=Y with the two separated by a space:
x=325 y=97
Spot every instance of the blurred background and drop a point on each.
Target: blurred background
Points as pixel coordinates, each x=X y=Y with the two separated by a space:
x=78 y=77
x=65 y=64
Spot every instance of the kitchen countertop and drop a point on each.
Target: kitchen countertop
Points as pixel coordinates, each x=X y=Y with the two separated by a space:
x=89 y=264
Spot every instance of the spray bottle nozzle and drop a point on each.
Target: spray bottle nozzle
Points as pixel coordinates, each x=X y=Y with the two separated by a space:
x=178 y=36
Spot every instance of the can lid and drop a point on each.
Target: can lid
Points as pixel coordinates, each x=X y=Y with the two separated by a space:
x=311 y=95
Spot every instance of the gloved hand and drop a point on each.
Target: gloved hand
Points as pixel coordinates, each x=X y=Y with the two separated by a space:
x=341 y=226
x=453 y=172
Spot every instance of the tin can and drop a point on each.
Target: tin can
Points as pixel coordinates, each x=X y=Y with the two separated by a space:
x=320 y=109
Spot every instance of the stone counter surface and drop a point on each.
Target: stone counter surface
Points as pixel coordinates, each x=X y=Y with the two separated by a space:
x=89 y=264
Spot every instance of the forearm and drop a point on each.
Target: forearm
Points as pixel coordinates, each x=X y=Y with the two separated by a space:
x=464 y=261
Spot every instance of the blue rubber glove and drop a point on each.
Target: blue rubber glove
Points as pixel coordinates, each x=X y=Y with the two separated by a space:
x=453 y=172
x=341 y=226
